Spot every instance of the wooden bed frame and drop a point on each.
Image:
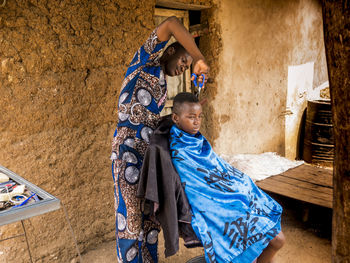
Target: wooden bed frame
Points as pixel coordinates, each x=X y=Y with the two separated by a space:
x=305 y=182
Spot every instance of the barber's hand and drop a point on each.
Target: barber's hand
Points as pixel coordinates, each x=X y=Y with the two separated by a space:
x=200 y=67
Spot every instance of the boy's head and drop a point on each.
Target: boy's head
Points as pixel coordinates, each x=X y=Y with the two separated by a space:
x=187 y=112
x=175 y=59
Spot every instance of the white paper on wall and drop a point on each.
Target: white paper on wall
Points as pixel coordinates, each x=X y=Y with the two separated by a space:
x=300 y=79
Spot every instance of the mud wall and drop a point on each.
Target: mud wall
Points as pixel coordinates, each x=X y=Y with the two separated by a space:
x=257 y=41
x=211 y=46
x=62 y=63
x=61 y=67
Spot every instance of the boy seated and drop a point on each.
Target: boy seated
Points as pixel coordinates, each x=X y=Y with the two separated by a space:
x=234 y=219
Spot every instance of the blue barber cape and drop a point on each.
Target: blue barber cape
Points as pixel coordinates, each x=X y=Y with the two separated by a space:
x=234 y=219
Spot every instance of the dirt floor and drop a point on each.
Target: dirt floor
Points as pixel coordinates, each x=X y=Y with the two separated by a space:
x=307 y=242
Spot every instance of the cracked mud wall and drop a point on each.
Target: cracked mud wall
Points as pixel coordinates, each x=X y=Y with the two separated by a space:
x=61 y=68
x=257 y=41
x=62 y=64
x=211 y=46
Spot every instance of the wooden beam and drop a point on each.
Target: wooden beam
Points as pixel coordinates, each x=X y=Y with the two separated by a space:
x=199 y=30
x=336 y=24
x=179 y=5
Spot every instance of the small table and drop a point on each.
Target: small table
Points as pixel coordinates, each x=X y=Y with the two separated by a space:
x=306 y=183
x=47 y=203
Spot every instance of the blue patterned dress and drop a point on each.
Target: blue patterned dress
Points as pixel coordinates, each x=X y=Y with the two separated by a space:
x=142 y=97
x=234 y=219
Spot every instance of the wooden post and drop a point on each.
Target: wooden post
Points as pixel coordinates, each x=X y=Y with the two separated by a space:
x=336 y=20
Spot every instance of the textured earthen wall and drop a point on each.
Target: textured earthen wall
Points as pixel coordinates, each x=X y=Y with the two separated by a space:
x=62 y=63
x=61 y=67
x=259 y=40
x=211 y=46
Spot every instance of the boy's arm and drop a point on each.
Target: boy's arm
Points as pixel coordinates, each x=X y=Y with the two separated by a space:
x=173 y=27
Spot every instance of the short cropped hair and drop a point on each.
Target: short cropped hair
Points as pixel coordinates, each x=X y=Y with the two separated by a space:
x=178 y=47
x=181 y=98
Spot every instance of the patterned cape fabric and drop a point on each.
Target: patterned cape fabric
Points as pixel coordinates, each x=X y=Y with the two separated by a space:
x=234 y=219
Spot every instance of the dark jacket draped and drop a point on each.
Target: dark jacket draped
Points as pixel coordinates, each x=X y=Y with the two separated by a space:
x=162 y=192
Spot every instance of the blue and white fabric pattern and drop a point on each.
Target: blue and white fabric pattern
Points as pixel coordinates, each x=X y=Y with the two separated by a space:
x=234 y=219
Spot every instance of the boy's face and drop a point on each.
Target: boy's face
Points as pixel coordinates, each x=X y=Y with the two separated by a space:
x=190 y=117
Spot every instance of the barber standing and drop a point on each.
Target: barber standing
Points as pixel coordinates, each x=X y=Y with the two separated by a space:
x=142 y=98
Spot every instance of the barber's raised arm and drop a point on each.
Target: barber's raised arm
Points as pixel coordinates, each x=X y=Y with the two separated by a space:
x=173 y=27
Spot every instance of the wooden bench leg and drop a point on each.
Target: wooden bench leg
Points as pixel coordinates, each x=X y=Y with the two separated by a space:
x=306 y=212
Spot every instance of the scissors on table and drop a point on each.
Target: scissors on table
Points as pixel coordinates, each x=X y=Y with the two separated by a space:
x=198 y=85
